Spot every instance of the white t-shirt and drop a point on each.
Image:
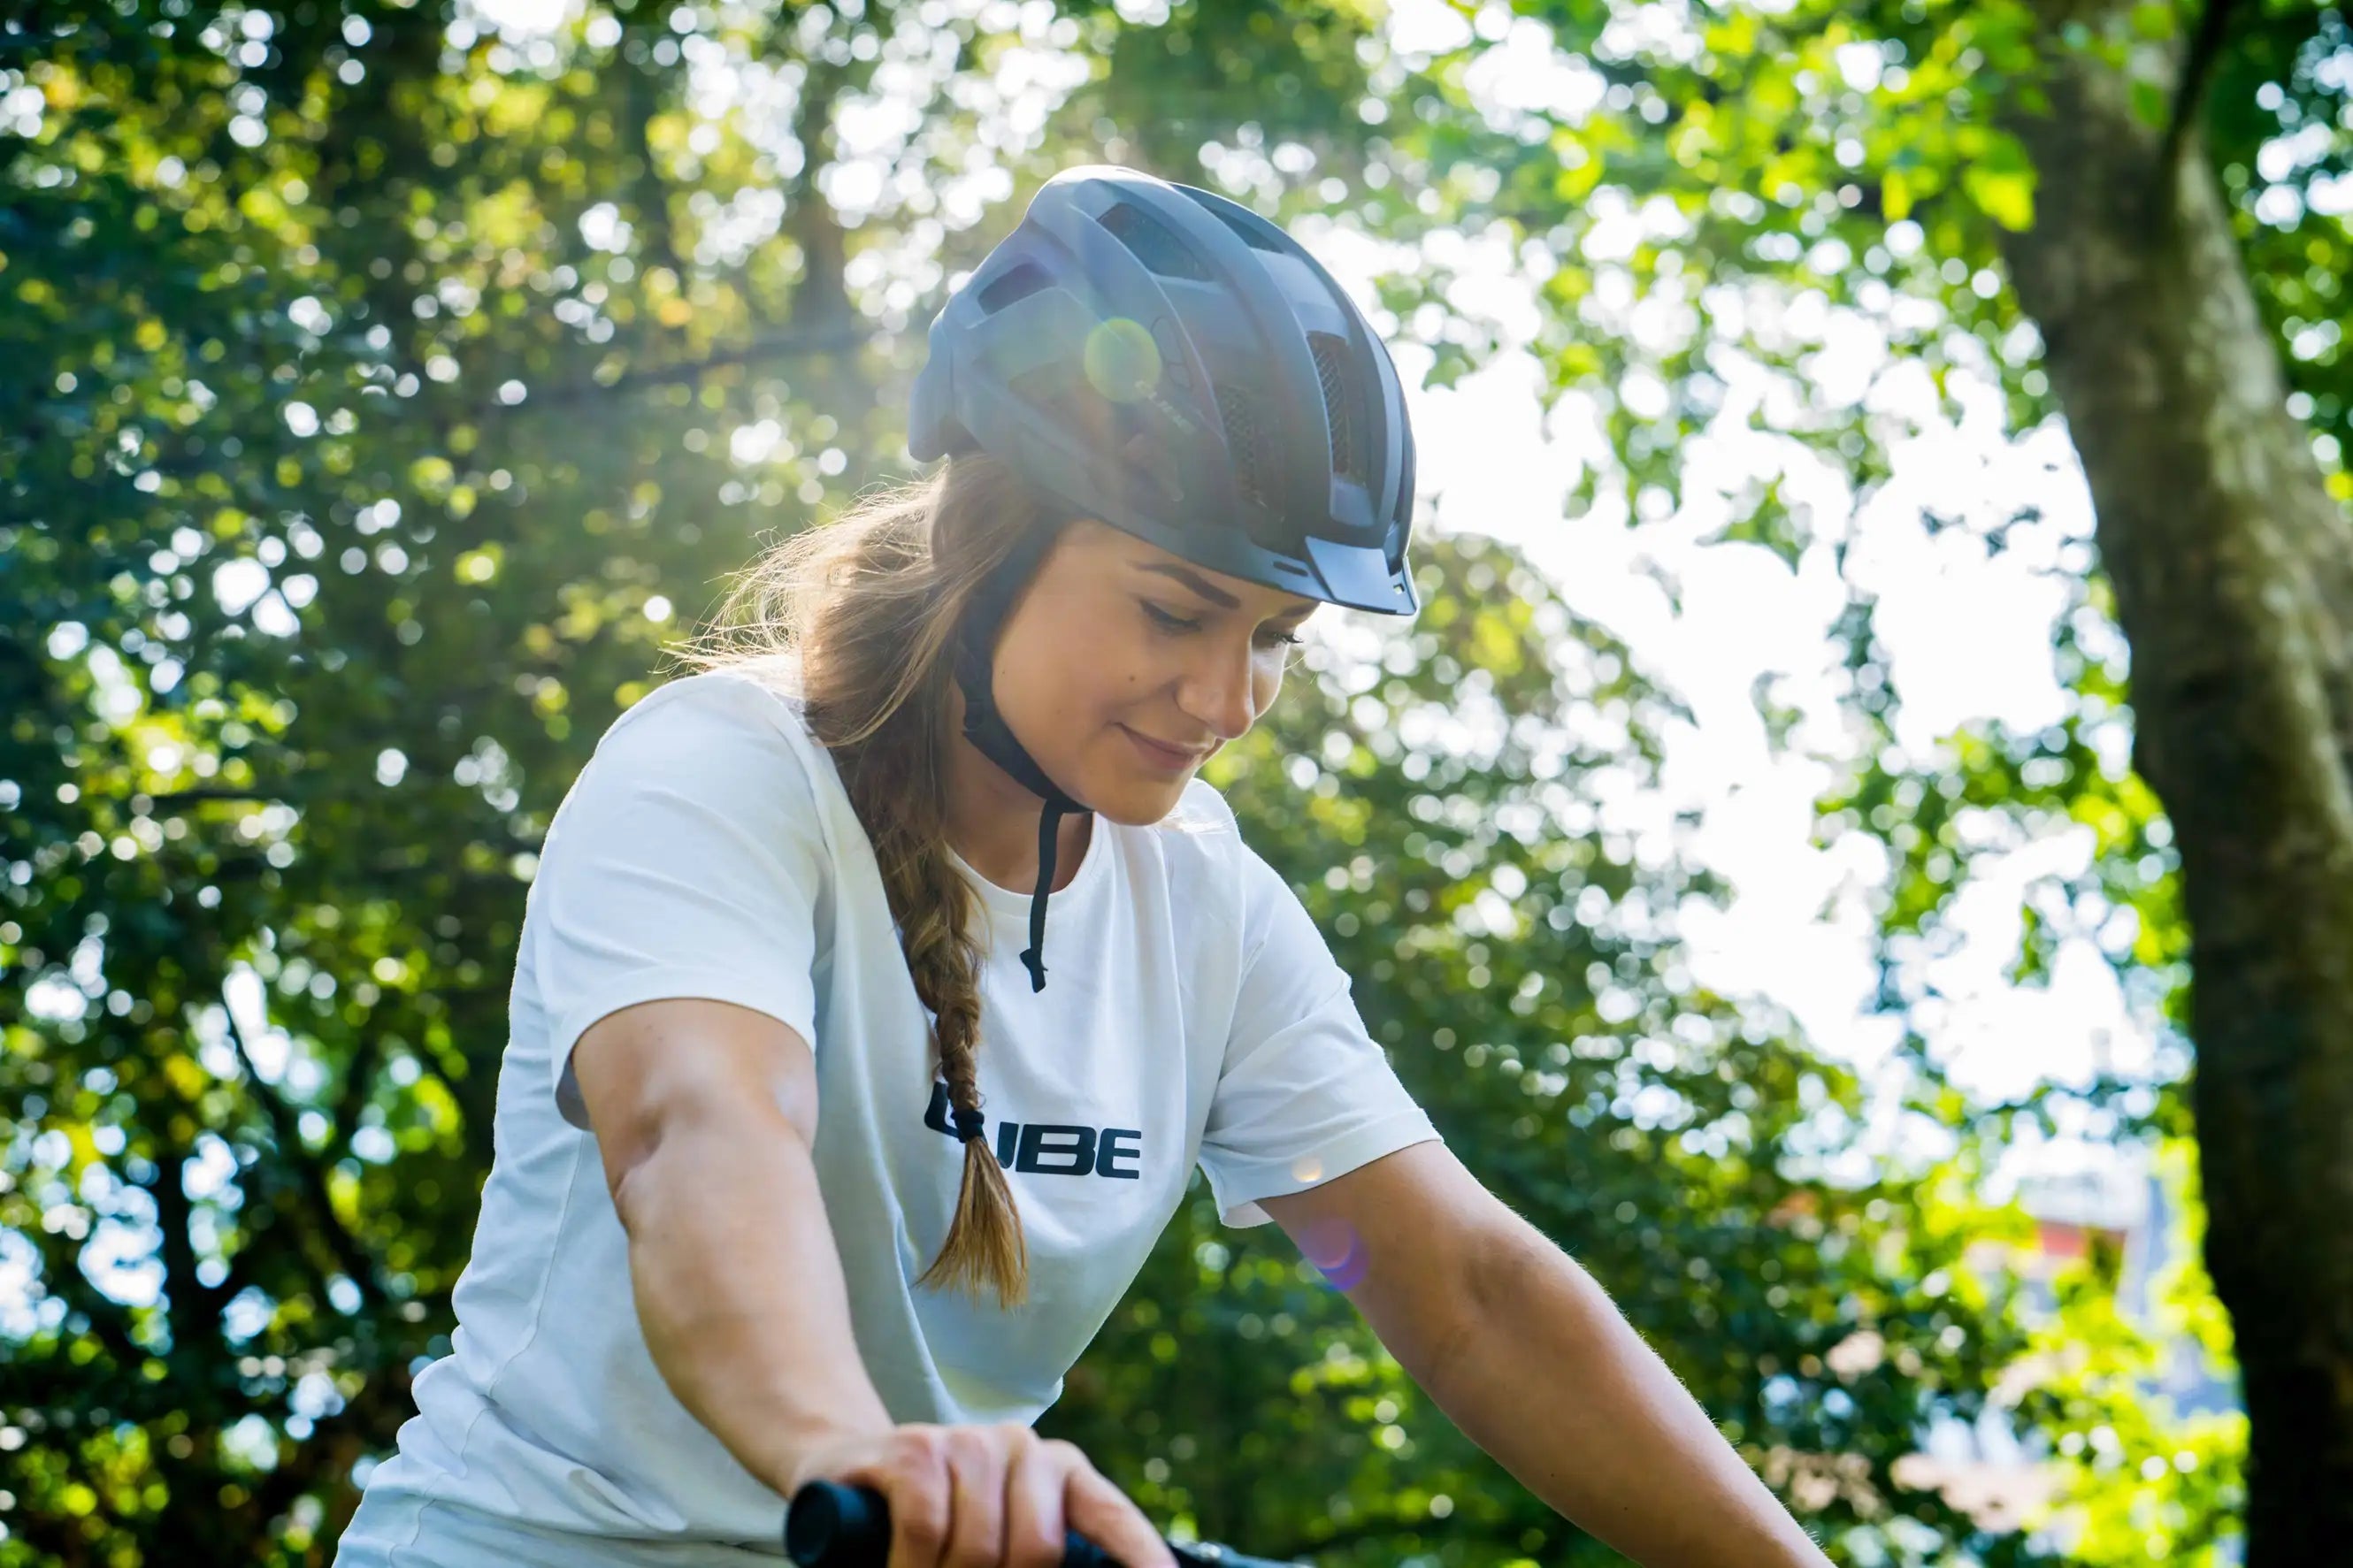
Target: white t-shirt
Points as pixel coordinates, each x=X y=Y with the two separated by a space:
x=1192 y=1014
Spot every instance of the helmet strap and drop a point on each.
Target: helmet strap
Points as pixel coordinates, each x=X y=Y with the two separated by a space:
x=985 y=727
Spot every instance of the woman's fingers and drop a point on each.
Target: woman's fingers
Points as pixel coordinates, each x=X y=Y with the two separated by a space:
x=911 y=1473
x=992 y=1497
x=977 y=1461
x=1034 y=1485
x=1103 y=1514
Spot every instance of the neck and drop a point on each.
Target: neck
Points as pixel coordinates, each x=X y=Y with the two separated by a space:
x=992 y=822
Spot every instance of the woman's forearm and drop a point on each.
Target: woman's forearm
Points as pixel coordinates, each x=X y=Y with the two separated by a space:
x=741 y=1299
x=1551 y=1379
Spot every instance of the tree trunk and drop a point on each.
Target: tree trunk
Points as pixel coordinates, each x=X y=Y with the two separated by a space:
x=2233 y=575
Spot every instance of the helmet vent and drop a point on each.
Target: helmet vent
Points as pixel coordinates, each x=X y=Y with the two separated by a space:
x=1238 y=407
x=1153 y=242
x=1017 y=284
x=1331 y=368
x=1253 y=236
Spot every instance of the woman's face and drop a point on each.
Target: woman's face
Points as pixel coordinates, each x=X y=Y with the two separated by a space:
x=1123 y=668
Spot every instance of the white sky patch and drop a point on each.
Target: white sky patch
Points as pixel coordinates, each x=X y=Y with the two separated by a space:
x=1968 y=634
x=1425 y=27
x=520 y=21
x=244 y=992
x=1524 y=74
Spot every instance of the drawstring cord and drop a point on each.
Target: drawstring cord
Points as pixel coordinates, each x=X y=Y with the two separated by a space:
x=1049 y=821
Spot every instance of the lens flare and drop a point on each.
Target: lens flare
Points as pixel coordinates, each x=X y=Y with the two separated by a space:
x=1121 y=360
x=1335 y=1248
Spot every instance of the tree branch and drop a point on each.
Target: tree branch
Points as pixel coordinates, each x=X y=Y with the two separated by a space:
x=358 y=1075
x=367 y=1420
x=832 y=339
x=186 y=1294
x=62 y=1276
x=177 y=797
x=285 y=1131
x=2205 y=50
x=821 y=300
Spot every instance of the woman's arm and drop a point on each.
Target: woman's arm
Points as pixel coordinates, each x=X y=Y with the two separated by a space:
x=705 y=1113
x=1528 y=1356
x=1557 y=1386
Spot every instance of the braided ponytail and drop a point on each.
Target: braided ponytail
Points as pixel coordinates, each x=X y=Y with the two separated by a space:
x=867 y=607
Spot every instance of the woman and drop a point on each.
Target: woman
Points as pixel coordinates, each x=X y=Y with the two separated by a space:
x=787 y=885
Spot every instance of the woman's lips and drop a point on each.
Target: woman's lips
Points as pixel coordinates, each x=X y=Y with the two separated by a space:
x=1167 y=758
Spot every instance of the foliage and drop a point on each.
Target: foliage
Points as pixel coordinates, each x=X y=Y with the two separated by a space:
x=386 y=384
x=2149 y=1482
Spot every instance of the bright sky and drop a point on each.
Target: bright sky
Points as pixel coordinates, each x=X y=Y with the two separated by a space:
x=1971 y=638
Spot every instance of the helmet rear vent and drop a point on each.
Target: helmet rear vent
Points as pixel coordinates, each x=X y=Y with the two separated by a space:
x=1153 y=242
x=1245 y=439
x=1017 y=284
x=1331 y=369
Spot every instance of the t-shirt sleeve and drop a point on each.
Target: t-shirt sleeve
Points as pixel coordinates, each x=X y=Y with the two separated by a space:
x=1305 y=1093
x=687 y=861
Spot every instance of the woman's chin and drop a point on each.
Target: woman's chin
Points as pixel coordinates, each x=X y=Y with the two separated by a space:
x=1138 y=803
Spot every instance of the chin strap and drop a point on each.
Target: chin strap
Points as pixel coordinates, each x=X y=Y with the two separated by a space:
x=987 y=728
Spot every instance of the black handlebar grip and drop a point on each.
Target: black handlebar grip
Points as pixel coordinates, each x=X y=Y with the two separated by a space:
x=832 y=1525
x=829 y=1525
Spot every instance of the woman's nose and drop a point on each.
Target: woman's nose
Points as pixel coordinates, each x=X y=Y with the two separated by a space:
x=1220 y=692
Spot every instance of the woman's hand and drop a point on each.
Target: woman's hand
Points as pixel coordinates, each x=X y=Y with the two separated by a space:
x=986 y=1497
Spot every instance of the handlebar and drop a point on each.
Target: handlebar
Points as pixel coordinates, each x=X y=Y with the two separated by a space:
x=830 y=1525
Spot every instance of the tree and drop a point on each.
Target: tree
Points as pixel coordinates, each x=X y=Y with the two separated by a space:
x=2232 y=553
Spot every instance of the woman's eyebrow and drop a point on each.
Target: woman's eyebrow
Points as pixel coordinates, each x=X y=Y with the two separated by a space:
x=1195 y=581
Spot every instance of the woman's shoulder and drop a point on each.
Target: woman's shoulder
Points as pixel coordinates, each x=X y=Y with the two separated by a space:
x=743 y=721
x=758 y=695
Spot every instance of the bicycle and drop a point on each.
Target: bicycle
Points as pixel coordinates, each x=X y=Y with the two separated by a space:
x=830 y=1525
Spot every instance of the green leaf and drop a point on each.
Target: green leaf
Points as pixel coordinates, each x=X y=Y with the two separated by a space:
x=2154 y=22
x=2007 y=198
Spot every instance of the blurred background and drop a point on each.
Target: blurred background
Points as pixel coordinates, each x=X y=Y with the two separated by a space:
x=1887 y=571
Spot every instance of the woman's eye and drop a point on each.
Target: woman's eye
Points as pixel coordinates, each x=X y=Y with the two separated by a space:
x=1169 y=621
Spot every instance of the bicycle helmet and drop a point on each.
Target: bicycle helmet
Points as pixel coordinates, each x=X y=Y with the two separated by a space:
x=1167 y=362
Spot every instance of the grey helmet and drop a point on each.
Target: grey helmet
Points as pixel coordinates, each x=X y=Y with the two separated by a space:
x=1167 y=362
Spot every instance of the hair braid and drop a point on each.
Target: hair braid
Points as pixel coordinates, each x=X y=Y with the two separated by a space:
x=935 y=906
x=865 y=610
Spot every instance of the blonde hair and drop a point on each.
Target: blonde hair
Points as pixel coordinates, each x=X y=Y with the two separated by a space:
x=865 y=609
